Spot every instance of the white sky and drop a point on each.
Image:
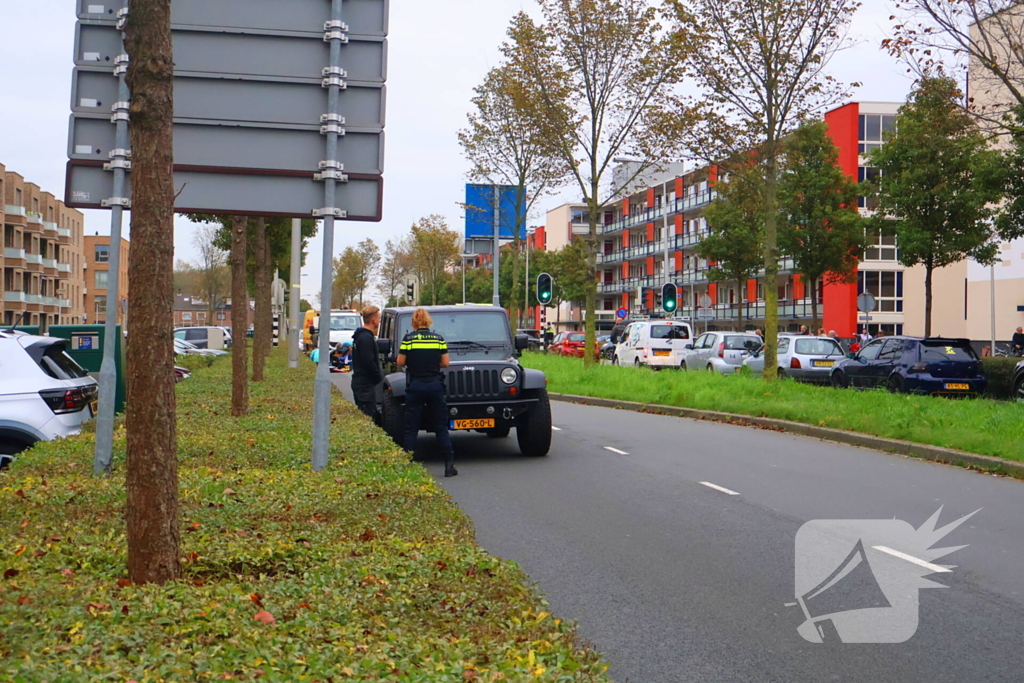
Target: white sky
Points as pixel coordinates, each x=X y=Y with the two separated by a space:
x=439 y=50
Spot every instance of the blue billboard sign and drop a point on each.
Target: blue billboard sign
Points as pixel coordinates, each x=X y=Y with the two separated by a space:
x=480 y=212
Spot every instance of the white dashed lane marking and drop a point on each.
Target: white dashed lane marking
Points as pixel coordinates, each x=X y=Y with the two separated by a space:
x=719 y=488
x=615 y=450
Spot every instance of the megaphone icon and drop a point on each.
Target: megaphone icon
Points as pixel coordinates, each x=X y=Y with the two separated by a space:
x=851 y=586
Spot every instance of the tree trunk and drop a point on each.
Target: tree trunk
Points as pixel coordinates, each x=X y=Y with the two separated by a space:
x=239 y=317
x=814 y=304
x=152 y=471
x=590 y=300
x=264 y=316
x=739 y=290
x=928 y=270
x=771 y=267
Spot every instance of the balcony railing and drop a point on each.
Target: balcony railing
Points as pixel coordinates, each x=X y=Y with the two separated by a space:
x=64 y=267
x=35 y=218
x=64 y=232
x=14 y=253
x=15 y=210
x=50 y=263
x=50 y=226
x=15 y=297
x=646 y=215
x=37 y=259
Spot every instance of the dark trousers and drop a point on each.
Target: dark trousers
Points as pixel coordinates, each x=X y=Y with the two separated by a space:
x=425 y=407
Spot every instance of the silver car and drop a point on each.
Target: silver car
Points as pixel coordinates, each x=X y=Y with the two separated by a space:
x=808 y=359
x=721 y=352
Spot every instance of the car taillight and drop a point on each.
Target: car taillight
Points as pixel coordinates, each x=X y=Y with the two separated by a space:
x=63 y=401
x=795 y=364
x=721 y=350
x=919 y=367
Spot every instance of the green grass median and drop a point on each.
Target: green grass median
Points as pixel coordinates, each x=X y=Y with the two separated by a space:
x=976 y=426
x=365 y=572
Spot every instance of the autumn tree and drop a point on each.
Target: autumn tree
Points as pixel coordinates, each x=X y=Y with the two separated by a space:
x=152 y=470
x=395 y=267
x=435 y=248
x=212 y=272
x=353 y=271
x=938 y=180
x=505 y=149
x=760 y=66
x=984 y=36
x=735 y=240
x=601 y=77
x=820 y=227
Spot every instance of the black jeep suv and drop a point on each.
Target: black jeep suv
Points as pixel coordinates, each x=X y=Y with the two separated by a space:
x=488 y=390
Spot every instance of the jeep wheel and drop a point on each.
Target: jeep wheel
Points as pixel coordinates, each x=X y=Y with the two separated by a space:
x=394 y=418
x=533 y=431
x=1019 y=390
x=497 y=432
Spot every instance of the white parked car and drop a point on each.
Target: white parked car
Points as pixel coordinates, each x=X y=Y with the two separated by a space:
x=44 y=394
x=808 y=359
x=653 y=343
x=184 y=348
x=721 y=352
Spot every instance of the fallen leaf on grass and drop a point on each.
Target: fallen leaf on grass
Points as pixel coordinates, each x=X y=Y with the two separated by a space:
x=265 y=617
x=20 y=493
x=67 y=572
x=21 y=549
x=24 y=600
x=24 y=523
x=367 y=536
x=10 y=573
x=257 y=599
x=124 y=583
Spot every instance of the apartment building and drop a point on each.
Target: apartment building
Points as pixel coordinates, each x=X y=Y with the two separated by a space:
x=190 y=311
x=97 y=273
x=42 y=269
x=650 y=237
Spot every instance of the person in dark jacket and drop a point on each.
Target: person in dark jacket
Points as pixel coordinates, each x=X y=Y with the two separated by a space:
x=424 y=354
x=366 y=370
x=620 y=327
x=1017 y=343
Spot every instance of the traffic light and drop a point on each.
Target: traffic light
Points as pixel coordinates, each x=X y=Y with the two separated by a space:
x=669 y=297
x=545 y=289
x=410 y=292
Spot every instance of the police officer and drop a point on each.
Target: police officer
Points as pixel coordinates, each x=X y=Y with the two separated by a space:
x=423 y=353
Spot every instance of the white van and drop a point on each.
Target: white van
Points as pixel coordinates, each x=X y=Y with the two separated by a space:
x=344 y=325
x=654 y=343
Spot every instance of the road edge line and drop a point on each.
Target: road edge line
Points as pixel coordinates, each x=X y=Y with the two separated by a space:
x=948 y=456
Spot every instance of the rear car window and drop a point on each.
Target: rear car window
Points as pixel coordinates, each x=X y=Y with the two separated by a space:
x=938 y=351
x=738 y=343
x=577 y=337
x=669 y=332
x=56 y=363
x=818 y=347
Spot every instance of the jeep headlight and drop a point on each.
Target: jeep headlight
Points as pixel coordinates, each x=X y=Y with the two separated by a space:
x=508 y=375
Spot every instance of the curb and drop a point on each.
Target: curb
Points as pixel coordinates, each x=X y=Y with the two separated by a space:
x=985 y=463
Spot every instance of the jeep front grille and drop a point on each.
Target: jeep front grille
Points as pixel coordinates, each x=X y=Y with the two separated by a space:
x=472 y=384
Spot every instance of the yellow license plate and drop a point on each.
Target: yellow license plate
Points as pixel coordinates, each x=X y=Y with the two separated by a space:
x=662 y=352
x=824 y=363
x=472 y=424
x=958 y=387
x=94 y=406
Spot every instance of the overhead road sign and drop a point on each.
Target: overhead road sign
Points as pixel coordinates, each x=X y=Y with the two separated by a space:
x=252 y=96
x=480 y=212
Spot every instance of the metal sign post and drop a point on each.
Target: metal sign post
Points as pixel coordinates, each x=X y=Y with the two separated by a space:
x=496 y=298
x=294 y=328
x=119 y=163
x=332 y=173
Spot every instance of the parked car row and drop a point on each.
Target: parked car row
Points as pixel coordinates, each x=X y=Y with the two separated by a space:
x=44 y=395
x=903 y=364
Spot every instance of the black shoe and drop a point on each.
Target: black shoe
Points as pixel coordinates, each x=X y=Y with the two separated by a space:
x=450 y=471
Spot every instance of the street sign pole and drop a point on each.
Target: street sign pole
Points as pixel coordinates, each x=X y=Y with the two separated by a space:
x=332 y=172
x=119 y=163
x=496 y=300
x=296 y=293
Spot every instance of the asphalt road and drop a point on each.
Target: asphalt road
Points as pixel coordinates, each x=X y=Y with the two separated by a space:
x=674 y=580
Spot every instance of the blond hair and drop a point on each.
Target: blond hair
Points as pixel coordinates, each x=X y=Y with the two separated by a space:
x=421 y=320
x=368 y=314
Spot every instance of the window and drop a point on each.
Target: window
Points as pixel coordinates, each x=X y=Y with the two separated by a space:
x=101 y=279
x=187 y=316
x=873 y=129
x=893 y=350
x=202 y=315
x=669 y=332
x=102 y=253
x=818 y=347
x=886 y=286
x=937 y=351
x=221 y=315
x=870 y=352
x=881 y=246
x=783 y=345
x=742 y=343
x=101 y=306
x=873 y=176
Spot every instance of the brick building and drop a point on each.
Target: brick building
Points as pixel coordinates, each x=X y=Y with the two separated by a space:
x=97 y=273
x=190 y=311
x=41 y=263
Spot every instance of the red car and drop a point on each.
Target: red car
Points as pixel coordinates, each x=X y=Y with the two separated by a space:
x=571 y=344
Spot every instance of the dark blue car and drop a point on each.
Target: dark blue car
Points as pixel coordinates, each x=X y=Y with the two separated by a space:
x=935 y=365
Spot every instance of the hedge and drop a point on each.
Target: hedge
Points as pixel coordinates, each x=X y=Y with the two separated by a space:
x=365 y=572
x=1000 y=372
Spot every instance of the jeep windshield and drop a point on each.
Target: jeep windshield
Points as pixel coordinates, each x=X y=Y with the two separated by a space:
x=345 y=323
x=470 y=334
